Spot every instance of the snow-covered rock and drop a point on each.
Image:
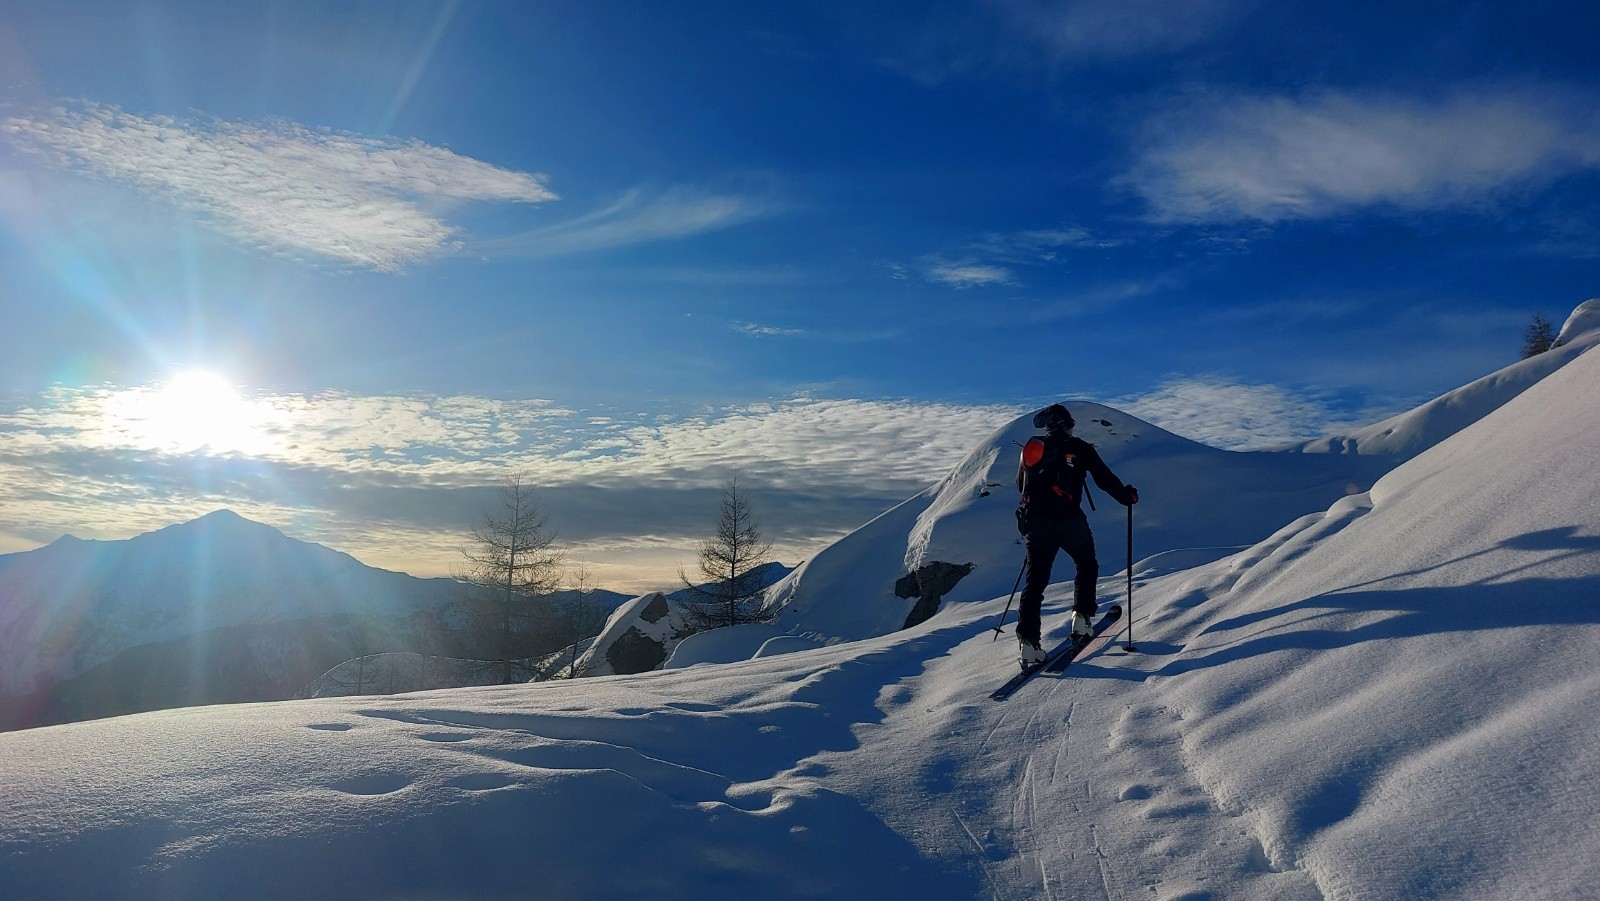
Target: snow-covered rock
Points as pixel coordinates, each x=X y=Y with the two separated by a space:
x=639 y=636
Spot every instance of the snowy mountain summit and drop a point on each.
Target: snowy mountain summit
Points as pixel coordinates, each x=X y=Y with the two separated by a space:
x=1388 y=693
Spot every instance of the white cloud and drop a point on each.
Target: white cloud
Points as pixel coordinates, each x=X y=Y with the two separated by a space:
x=1091 y=30
x=635 y=218
x=817 y=442
x=994 y=259
x=1272 y=159
x=372 y=474
x=1038 y=245
x=970 y=275
x=768 y=331
x=280 y=186
x=1231 y=415
x=441 y=441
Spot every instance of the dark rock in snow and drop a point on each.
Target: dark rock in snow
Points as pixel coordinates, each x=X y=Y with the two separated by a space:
x=930 y=583
x=656 y=609
x=635 y=652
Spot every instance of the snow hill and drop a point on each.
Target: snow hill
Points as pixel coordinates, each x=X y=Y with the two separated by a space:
x=1200 y=503
x=1390 y=695
x=1415 y=431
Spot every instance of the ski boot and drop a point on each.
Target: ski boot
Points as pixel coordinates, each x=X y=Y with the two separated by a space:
x=1029 y=654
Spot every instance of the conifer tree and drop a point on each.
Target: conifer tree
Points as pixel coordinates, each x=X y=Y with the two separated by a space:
x=1539 y=337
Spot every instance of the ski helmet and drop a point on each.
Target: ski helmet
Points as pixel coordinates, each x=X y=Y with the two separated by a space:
x=1053 y=418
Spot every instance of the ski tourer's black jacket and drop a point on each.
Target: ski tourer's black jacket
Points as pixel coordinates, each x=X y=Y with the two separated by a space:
x=1055 y=485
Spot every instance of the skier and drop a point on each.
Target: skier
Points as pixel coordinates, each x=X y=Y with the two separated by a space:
x=1052 y=479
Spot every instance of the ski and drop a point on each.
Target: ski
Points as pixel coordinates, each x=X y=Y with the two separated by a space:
x=1059 y=656
x=1097 y=639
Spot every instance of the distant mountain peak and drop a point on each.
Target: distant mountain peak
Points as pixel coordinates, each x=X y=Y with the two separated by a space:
x=220 y=519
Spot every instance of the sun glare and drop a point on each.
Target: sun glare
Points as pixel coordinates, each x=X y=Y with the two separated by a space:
x=194 y=410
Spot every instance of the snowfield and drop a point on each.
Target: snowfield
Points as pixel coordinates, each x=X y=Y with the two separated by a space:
x=1389 y=694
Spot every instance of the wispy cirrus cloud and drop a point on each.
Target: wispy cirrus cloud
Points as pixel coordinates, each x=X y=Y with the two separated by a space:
x=756 y=330
x=970 y=275
x=1031 y=35
x=1039 y=245
x=280 y=186
x=1273 y=159
x=1072 y=31
x=637 y=217
x=993 y=259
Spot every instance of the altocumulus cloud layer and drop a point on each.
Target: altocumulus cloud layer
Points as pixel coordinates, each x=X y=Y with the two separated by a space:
x=398 y=480
x=1226 y=414
x=279 y=186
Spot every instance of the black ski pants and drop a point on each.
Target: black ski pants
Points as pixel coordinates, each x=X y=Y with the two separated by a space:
x=1046 y=535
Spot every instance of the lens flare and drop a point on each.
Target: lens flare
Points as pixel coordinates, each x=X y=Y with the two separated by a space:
x=195 y=410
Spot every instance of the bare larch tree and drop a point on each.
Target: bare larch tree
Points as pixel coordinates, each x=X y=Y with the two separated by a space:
x=511 y=568
x=729 y=562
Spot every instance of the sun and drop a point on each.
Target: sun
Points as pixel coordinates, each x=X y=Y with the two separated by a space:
x=194 y=410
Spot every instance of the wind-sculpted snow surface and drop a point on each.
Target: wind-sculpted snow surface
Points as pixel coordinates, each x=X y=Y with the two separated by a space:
x=1420 y=665
x=676 y=786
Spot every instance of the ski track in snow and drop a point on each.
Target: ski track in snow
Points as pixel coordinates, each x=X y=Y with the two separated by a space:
x=1106 y=802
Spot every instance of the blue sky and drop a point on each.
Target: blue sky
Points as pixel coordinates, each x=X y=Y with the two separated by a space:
x=628 y=247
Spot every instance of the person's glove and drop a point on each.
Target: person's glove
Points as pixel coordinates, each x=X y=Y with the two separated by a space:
x=1133 y=494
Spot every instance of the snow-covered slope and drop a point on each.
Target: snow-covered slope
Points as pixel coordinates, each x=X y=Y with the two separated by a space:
x=1391 y=696
x=1414 y=431
x=1422 y=661
x=1198 y=501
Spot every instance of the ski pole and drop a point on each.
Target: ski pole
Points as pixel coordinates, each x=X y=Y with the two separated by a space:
x=1013 y=597
x=1129 y=648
